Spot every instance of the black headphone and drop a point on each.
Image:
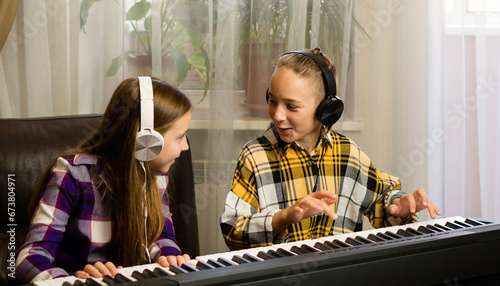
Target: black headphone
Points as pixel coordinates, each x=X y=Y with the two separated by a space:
x=331 y=107
x=148 y=143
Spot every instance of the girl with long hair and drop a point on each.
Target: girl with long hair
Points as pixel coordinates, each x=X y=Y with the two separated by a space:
x=97 y=206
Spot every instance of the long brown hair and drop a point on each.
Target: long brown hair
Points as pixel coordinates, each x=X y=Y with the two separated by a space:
x=113 y=143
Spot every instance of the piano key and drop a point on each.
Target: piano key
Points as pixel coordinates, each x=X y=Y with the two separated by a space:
x=414 y=232
x=240 y=260
x=162 y=272
x=364 y=240
x=425 y=230
x=453 y=225
x=322 y=246
x=263 y=255
x=188 y=267
x=215 y=263
x=177 y=270
x=393 y=235
x=251 y=258
x=284 y=253
x=297 y=250
x=404 y=233
x=92 y=282
x=224 y=261
x=473 y=222
x=149 y=273
x=341 y=244
x=308 y=249
x=463 y=224
x=139 y=275
x=376 y=238
x=434 y=228
x=202 y=265
x=273 y=253
x=443 y=227
x=353 y=241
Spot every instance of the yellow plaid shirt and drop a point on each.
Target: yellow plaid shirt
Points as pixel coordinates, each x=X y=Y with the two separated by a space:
x=272 y=175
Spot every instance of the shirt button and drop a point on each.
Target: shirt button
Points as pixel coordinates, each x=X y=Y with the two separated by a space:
x=309 y=163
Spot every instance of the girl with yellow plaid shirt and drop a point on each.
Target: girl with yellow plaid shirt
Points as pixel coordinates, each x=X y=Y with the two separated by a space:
x=301 y=180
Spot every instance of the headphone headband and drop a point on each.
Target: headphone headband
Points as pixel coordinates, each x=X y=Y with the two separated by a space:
x=326 y=72
x=148 y=143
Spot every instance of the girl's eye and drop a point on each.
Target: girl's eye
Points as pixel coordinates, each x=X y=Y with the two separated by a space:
x=292 y=107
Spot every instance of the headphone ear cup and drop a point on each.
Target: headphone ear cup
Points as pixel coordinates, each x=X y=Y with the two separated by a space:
x=329 y=110
x=148 y=145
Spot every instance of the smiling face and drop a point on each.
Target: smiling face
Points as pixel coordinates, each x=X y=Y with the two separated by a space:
x=175 y=142
x=292 y=105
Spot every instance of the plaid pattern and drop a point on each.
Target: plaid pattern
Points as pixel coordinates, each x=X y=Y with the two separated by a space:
x=267 y=180
x=72 y=226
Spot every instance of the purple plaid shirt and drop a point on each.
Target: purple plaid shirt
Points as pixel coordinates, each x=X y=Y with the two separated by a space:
x=72 y=226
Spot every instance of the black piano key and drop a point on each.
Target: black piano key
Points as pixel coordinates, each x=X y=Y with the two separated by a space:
x=215 y=263
x=445 y=228
x=177 y=270
x=425 y=230
x=463 y=224
x=393 y=235
x=160 y=272
x=434 y=228
x=308 y=248
x=341 y=243
x=250 y=257
x=188 y=267
x=297 y=250
x=322 y=246
x=364 y=240
x=414 y=231
x=353 y=241
x=473 y=222
x=91 y=282
x=376 y=238
x=404 y=233
x=240 y=260
x=453 y=225
x=149 y=274
x=119 y=278
x=284 y=253
x=66 y=283
x=138 y=275
x=78 y=283
x=332 y=245
x=225 y=261
x=264 y=255
x=385 y=236
x=273 y=253
x=203 y=265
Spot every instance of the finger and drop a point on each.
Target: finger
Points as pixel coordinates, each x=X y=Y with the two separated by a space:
x=172 y=260
x=111 y=268
x=422 y=196
x=162 y=260
x=323 y=194
x=410 y=200
x=102 y=269
x=82 y=274
x=92 y=271
x=187 y=259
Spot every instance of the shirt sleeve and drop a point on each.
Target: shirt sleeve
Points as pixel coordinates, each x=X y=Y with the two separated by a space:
x=36 y=256
x=166 y=244
x=242 y=223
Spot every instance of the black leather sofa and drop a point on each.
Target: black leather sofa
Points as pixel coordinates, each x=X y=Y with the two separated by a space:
x=27 y=146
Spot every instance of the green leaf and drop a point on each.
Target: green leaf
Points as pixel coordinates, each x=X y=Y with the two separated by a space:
x=117 y=62
x=138 y=10
x=84 y=12
x=181 y=64
x=194 y=34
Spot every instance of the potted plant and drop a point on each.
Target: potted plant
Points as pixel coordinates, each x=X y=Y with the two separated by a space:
x=265 y=28
x=178 y=37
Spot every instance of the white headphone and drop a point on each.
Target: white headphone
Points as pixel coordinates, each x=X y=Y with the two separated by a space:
x=149 y=142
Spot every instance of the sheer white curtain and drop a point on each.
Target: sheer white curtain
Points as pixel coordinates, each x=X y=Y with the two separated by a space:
x=51 y=66
x=465 y=107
